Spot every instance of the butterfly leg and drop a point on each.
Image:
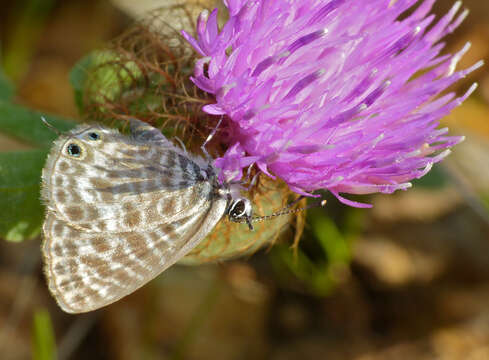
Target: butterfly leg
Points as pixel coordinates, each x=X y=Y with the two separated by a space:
x=248 y=222
x=180 y=142
x=209 y=138
x=253 y=181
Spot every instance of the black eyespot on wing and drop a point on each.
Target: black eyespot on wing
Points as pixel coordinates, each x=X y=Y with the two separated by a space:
x=73 y=150
x=93 y=136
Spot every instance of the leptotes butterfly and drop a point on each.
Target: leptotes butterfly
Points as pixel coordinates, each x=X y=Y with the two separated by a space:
x=121 y=209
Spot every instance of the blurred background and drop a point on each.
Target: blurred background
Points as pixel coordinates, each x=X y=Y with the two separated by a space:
x=408 y=279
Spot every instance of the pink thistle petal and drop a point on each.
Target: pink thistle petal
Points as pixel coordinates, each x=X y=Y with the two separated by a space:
x=341 y=95
x=350 y=202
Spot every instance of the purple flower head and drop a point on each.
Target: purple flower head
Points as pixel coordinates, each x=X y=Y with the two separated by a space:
x=342 y=95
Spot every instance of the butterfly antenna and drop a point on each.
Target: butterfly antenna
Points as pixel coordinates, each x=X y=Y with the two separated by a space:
x=50 y=127
x=284 y=211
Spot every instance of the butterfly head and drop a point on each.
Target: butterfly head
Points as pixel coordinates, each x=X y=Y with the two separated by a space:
x=240 y=210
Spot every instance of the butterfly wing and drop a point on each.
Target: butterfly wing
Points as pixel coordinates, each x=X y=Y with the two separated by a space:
x=145 y=133
x=121 y=183
x=120 y=210
x=88 y=270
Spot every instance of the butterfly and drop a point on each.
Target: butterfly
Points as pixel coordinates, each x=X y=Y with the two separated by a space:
x=120 y=209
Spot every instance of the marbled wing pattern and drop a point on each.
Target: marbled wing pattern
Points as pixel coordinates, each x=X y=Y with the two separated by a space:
x=120 y=210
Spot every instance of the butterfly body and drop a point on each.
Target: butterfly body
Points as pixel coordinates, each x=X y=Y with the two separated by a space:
x=121 y=209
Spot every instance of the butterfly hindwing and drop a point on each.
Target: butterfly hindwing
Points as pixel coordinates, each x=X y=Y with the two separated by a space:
x=88 y=270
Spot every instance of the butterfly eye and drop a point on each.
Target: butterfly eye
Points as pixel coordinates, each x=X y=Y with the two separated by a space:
x=73 y=150
x=240 y=208
x=93 y=136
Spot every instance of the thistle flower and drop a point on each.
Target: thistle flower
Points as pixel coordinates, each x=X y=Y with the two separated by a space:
x=340 y=95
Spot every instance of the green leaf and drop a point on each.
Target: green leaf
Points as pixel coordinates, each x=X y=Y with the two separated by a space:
x=43 y=338
x=25 y=124
x=315 y=276
x=22 y=214
x=323 y=256
x=6 y=87
x=330 y=238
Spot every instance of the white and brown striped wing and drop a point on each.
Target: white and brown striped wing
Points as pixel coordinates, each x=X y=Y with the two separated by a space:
x=120 y=210
x=88 y=270
x=120 y=183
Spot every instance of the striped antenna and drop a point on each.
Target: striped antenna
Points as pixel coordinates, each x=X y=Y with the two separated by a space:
x=286 y=210
x=50 y=127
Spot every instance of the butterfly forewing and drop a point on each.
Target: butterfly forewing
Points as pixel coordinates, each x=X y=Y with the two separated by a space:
x=121 y=185
x=120 y=210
